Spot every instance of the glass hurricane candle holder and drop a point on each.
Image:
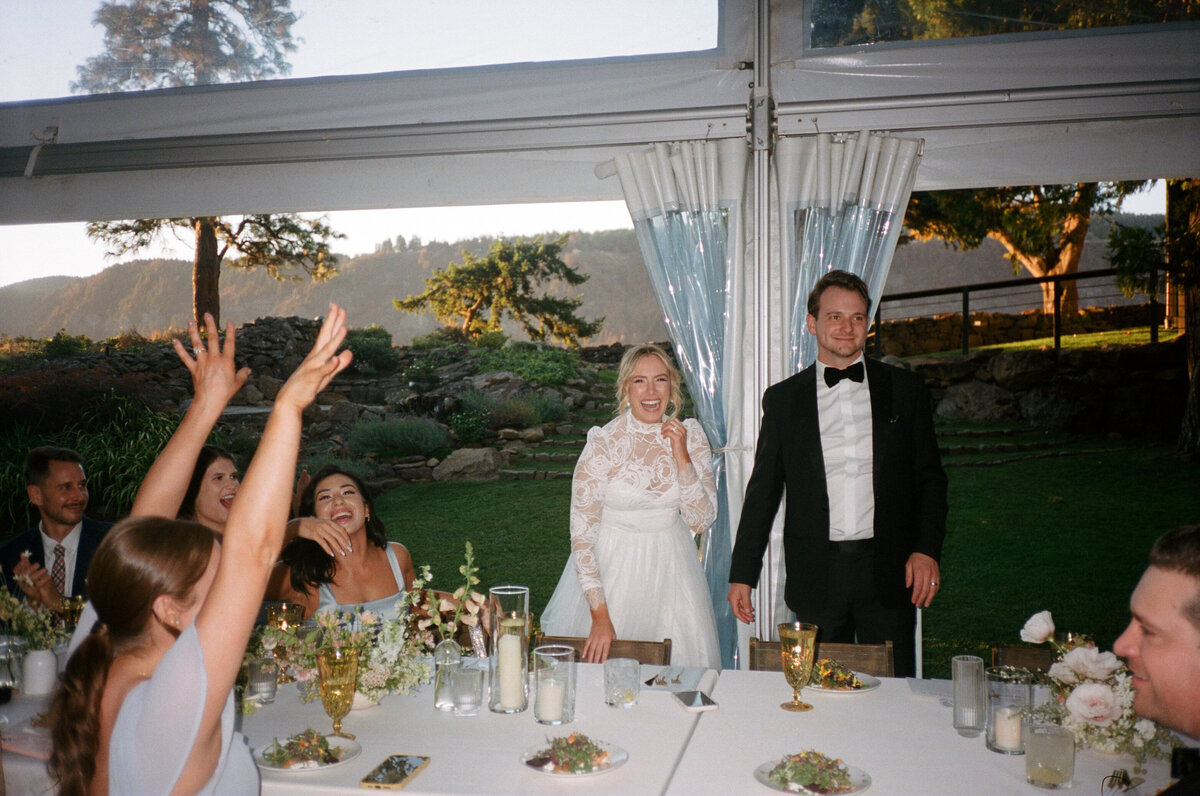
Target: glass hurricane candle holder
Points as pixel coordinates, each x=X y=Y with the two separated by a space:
x=1009 y=694
x=510 y=649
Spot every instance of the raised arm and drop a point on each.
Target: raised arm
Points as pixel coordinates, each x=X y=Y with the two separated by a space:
x=215 y=380
x=255 y=528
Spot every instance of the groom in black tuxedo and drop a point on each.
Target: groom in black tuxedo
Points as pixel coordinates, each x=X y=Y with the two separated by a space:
x=852 y=440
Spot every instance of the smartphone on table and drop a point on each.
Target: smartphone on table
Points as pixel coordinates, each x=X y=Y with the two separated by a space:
x=395 y=772
x=695 y=701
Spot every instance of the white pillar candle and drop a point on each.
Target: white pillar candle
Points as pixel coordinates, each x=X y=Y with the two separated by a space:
x=1007 y=723
x=511 y=692
x=550 y=696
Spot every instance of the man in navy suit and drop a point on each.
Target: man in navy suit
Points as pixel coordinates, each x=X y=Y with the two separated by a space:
x=852 y=440
x=50 y=560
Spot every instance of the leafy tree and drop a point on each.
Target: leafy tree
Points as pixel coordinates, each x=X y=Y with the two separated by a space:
x=1042 y=227
x=167 y=43
x=1171 y=251
x=504 y=284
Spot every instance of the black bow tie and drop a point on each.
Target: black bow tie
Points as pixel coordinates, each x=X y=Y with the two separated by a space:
x=854 y=373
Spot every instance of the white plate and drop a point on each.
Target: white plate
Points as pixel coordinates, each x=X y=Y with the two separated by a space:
x=859 y=779
x=616 y=758
x=350 y=750
x=869 y=684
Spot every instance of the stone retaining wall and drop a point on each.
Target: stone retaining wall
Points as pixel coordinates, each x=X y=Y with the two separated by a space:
x=928 y=335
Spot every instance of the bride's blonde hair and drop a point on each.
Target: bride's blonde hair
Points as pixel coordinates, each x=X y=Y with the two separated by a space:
x=625 y=375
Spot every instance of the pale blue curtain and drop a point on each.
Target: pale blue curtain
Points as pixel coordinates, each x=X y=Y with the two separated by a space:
x=843 y=201
x=686 y=203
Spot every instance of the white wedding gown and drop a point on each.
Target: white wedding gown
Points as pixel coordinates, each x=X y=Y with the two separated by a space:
x=633 y=520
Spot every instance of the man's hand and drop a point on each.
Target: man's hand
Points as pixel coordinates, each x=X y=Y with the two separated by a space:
x=35 y=581
x=739 y=601
x=921 y=573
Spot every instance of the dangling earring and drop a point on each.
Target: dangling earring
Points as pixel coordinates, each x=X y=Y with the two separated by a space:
x=368 y=515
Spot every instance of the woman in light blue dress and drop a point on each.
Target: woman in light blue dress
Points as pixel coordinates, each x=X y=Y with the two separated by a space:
x=145 y=705
x=372 y=575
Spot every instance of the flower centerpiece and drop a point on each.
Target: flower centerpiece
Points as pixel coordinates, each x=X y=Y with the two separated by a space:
x=40 y=628
x=1091 y=695
x=392 y=652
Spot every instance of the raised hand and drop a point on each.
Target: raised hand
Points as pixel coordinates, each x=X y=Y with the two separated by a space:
x=676 y=434
x=215 y=376
x=37 y=584
x=332 y=537
x=321 y=365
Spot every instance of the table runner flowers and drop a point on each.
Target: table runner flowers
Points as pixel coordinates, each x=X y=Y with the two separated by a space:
x=1091 y=695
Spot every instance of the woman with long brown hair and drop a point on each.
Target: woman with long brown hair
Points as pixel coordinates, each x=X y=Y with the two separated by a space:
x=145 y=705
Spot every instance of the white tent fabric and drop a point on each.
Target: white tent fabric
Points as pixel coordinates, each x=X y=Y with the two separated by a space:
x=843 y=202
x=687 y=204
x=1110 y=103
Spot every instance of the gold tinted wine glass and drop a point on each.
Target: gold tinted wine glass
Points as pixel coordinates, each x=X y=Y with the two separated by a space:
x=337 y=670
x=798 y=641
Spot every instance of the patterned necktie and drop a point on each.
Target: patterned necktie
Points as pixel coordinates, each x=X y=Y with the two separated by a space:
x=854 y=373
x=58 y=573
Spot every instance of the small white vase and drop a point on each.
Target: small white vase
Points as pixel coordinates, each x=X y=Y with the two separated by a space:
x=39 y=672
x=362 y=701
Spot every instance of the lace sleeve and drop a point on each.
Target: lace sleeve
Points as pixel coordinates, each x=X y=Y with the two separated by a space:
x=697 y=487
x=587 y=502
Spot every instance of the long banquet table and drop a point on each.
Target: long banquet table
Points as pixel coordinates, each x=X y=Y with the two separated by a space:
x=902 y=739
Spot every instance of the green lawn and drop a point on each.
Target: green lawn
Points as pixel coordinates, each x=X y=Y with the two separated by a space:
x=1068 y=534
x=1139 y=335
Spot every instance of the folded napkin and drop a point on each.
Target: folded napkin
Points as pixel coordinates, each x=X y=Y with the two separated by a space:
x=25 y=739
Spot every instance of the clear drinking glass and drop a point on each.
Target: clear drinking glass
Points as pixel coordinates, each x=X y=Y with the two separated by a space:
x=1049 y=756
x=970 y=695
x=621 y=683
x=466 y=680
x=554 y=673
x=262 y=677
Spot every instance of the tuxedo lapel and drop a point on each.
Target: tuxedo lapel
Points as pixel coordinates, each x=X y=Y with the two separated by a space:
x=879 y=382
x=807 y=418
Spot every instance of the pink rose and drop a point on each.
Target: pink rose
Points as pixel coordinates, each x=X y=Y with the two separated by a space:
x=1038 y=628
x=1094 y=703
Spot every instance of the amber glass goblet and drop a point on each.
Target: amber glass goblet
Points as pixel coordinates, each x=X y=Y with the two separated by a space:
x=798 y=642
x=337 y=672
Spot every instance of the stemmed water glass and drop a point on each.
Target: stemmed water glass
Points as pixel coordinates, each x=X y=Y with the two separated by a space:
x=798 y=642
x=337 y=671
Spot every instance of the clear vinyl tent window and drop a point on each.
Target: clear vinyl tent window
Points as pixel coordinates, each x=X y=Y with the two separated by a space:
x=852 y=23
x=43 y=48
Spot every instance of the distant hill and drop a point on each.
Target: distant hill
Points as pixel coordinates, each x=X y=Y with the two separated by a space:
x=153 y=295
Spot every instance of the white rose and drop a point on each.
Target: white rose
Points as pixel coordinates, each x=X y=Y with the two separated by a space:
x=1038 y=628
x=1094 y=703
x=1145 y=728
x=1063 y=673
x=1091 y=663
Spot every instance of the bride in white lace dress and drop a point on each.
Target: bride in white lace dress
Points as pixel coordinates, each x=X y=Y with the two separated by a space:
x=643 y=488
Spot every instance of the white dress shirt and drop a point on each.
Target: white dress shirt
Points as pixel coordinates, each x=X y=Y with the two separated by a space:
x=71 y=543
x=844 y=411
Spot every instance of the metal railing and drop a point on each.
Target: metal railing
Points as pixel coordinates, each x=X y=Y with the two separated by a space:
x=1154 y=312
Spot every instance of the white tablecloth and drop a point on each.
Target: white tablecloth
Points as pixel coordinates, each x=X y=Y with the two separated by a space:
x=482 y=754
x=906 y=743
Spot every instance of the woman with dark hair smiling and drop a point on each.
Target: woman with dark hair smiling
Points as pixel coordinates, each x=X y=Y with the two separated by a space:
x=373 y=575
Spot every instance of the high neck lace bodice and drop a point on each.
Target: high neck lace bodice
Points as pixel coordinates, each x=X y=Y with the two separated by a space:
x=627 y=466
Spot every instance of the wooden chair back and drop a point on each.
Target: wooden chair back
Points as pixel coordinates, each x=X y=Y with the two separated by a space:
x=1035 y=659
x=655 y=653
x=877 y=660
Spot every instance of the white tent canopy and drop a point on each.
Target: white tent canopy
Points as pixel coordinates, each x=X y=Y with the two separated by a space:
x=1106 y=103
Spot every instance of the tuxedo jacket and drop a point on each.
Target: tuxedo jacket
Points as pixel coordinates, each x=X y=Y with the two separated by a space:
x=90 y=536
x=909 y=486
